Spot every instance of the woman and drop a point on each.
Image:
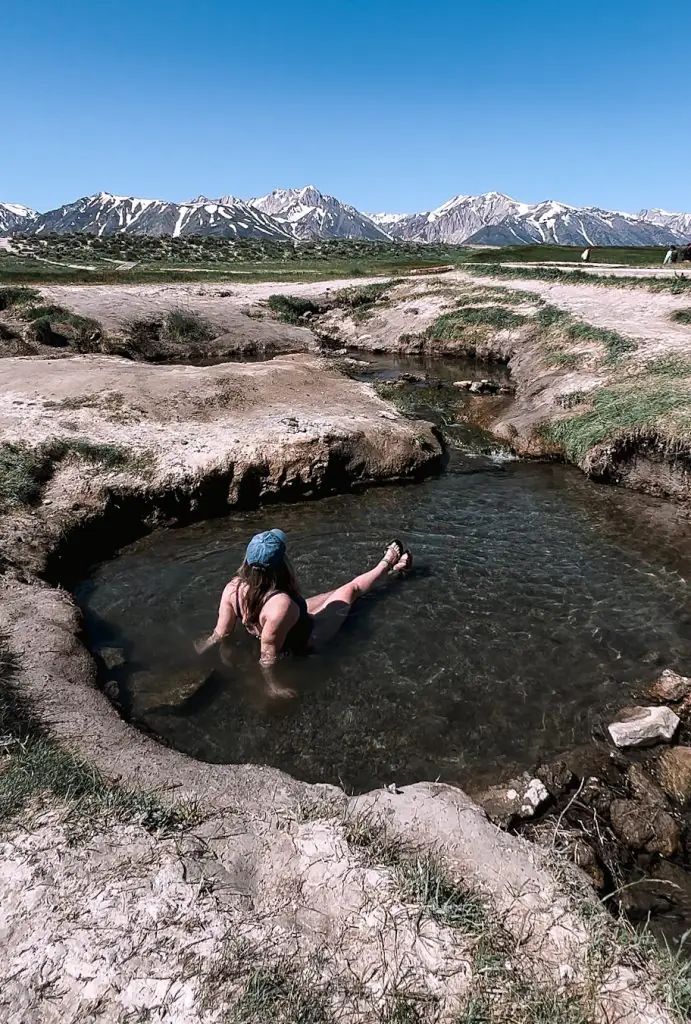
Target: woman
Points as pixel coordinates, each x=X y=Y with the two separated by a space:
x=266 y=598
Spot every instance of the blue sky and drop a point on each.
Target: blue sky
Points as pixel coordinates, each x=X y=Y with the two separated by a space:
x=388 y=105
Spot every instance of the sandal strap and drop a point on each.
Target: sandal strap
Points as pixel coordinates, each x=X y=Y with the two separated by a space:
x=397 y=557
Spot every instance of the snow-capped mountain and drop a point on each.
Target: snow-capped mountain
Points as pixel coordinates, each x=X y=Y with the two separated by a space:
x=106 y=214
x=680 y=223
x=457 y=219
x=15 y=218
x=308 y=213
x=560 y=224
x=496 y=219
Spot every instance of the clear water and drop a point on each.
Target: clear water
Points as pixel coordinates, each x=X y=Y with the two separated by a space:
x=539 y=603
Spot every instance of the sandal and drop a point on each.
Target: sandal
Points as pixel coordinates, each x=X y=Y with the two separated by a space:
x=407 y=555
x=393 y=557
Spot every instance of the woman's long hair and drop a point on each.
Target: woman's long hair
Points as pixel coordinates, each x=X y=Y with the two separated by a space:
x=257 y=582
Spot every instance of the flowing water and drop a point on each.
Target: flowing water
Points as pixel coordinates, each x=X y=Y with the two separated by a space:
x=539 y=603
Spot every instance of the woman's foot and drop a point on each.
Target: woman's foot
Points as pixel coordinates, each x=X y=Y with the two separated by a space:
x=393 y=554
x=403 y=565
x=397 y=559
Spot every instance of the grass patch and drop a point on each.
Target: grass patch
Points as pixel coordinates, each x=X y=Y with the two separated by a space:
x=677 y=285
x=564 y=330
x=658 y=396
x=498 y=296
x=291 y=308
x=361 y=301
x=36 y=764
x=279 y=994
x=184 y=327
x=16 y=296
x=25 y=470
x=681 y=316
x=423 y=881
x=450 y=326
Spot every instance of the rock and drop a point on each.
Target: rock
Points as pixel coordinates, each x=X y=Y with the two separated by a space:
x=642 y=826
x=670 y=686
x=483 y=387
x=596 y=760
x=557 y=777
x=516 y=800
x=462 y=385
x=645 y=788
x=349 y=361
x=674 y=773
x=112 y=657
x=643 y=727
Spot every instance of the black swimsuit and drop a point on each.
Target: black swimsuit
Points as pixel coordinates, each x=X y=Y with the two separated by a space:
x=297 y=641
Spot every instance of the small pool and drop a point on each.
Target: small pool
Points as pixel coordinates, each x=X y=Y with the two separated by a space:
x=539 y=603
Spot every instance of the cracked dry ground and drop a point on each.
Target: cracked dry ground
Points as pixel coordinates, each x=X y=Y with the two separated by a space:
x=224 y=922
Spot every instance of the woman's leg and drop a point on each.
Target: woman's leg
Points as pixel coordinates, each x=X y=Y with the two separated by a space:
x=330 y=610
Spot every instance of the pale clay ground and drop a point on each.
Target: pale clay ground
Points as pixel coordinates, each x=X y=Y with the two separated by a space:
x=636 y=312
x=121 y=927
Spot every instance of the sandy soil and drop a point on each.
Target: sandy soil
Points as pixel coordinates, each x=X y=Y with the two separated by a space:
x=641 y=314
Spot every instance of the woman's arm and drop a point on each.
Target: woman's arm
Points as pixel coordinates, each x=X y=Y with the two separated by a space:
x=225 y=624
x=279 y=618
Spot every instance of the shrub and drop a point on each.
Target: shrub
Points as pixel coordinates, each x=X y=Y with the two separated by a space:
x=16 y=296
x=291 y=308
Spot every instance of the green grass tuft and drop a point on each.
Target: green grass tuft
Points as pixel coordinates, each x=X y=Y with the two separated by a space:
x=291 y=308
x=423 y=881
x=563 y=329
x=34 y=764
x=681 y=316
x=184 y=327
x=655 y=397
x=278 y=994
x=15 y=296
x=24 y=470
x=451 y=326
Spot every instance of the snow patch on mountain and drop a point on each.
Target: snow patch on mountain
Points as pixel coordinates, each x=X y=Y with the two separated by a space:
x=15 y=218
x=308 y=213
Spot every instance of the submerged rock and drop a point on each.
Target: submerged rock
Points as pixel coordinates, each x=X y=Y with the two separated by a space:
x=643 y=727
x=112 y=657
x=674 y=773
x=670 y=686
x=644 y=826
x=483 y=387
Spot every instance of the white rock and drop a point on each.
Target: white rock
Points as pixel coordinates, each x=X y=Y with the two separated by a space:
x=643 y=727
x=535 y=795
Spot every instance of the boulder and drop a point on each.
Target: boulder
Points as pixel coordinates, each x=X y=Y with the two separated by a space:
x=462 y=385
x=670 y=687
x=643 y=727
x=643 y=826
x=516 y=800
x=644 y=788
x=674 y=773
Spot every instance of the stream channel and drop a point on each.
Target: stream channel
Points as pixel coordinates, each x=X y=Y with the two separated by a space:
x=539 y=604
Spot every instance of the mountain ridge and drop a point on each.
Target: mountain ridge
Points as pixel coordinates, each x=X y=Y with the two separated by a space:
x=302 y=214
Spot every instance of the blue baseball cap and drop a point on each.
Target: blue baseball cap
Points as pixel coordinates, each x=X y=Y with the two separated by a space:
x=266 y=548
